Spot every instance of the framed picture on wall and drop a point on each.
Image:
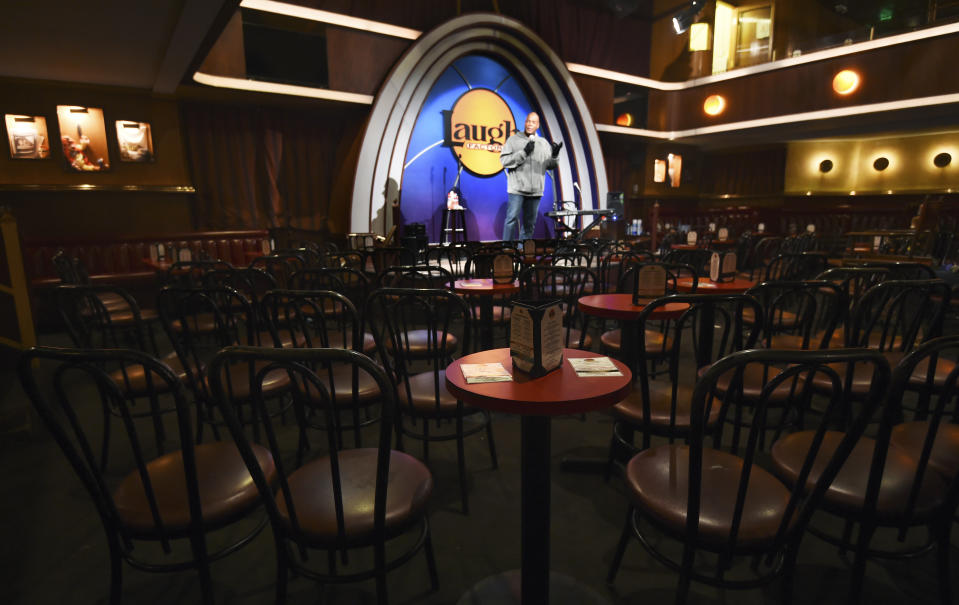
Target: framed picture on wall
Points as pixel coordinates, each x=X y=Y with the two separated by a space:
x=83 y=138
x=27 y=136
x=135 y=141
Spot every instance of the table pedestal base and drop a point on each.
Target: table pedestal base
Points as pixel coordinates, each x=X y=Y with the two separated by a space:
x=504 y=589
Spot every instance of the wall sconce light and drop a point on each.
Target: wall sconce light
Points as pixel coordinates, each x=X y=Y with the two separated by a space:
x=624 y=119
x=714 y=105
x=880 y=164
x=845 y=82
x=942 y=160
x=684 y=18
x=825 y=166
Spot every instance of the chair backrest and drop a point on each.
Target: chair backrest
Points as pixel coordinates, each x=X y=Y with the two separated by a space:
x=352 y=283
x=479 y=265
x=932 y=369
x=451 y=257
x=92 y=325
x=312 y=319
x=313 y=395
x=351 y=259
x=809 y=310
x=614 y=264
x=67 y=268
x=795 y=266
x=793 y=370
x=414 y=276
x=280 y=266
x=566 y=284
x=61 y=382
x=189 y=273
x=438 y=315
x=383 y=257
x=854 y=281
x=900 y=269
x=897 y=315
x=698 y=259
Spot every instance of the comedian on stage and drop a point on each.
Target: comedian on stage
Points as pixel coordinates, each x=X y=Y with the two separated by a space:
x=526 y=158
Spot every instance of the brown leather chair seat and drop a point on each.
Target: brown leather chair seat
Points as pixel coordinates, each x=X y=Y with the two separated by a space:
x=416 y=343
x=612 y=341
x=782 y=318
x=501 y=314
x=203 y=323
x=574 y=336
x=227 y=491
x=657 y=479
x=136 y=377
x=944 y=458
x=630 y=410
x=754 y=377
x=367 y=390
x=311 y=489
x=795 y=341
x=424 y=397
x=861 y=378
x=368 y=348
x=847 y=492
x=274 y=382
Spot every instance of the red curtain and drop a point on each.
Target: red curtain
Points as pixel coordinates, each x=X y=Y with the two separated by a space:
x=259 y=167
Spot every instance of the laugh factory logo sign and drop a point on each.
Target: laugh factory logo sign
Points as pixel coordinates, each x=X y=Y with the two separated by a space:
x=476 y=128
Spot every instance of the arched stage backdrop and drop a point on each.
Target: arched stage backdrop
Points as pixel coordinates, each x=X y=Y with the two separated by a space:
x=460 y=90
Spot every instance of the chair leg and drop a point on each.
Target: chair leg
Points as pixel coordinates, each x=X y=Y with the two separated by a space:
x=492 y=444
x=859 y=564
x=431 y=558
x=198 y=543
x=281 y=574
x=105 y=447
x=461 y=463
x=116 y=575
x=380 y=562
x=426 y=442
x=685 y=575
x=620 y=548
x=942 y=558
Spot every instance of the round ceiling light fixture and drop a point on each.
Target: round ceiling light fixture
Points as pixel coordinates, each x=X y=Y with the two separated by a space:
x=942 y=160
x=714 y=105
x=825 y=166
x=880 y=164
x=846 y=82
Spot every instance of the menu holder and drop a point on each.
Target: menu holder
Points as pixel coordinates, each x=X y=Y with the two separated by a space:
x=723 y=234
x=503 y=271
x=529 y=247
x=722 y=267
x=650 y=283
x=536 y=337
x=691 y=238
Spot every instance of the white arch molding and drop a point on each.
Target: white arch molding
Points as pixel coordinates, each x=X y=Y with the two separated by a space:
x=562 y=111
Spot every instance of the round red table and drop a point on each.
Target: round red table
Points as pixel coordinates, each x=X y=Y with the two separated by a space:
x=705 y=286
x=536 y=400
x=486 y=289
x=620 y=306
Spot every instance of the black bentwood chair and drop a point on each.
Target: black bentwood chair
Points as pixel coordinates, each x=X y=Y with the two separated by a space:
x=721 y=503
x=344 y=500
x=175 y=499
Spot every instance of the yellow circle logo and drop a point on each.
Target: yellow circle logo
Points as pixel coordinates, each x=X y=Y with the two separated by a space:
x=477 y=128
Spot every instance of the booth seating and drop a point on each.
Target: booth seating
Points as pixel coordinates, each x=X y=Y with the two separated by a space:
x=119 y=261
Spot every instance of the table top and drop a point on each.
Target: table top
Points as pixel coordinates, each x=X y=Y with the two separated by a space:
x=483 y=286
x=559 y=392
x=736 y=286
x=620 y=306
x=158 y=265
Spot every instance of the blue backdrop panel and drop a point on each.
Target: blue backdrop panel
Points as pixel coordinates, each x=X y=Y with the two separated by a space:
x=430 y=167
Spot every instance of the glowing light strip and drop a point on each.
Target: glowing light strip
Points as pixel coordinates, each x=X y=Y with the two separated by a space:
x=312 y=14
x=821 y=114
x=281 y=89
x=813 y=56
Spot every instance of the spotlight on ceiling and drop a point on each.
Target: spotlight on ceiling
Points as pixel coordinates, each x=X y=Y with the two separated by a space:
x=942 y=160
x=684 y=18
x=880 y=164
x=825 y=166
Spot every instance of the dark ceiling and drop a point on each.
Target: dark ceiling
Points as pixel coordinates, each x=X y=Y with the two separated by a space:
x=146 y=44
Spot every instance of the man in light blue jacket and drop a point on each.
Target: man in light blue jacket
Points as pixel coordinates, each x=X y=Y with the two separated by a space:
x=526 y=158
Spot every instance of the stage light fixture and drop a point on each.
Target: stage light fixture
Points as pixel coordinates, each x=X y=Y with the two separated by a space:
x=684 y=18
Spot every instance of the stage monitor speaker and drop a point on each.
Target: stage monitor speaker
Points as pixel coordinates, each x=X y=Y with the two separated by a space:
x=614 y=202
